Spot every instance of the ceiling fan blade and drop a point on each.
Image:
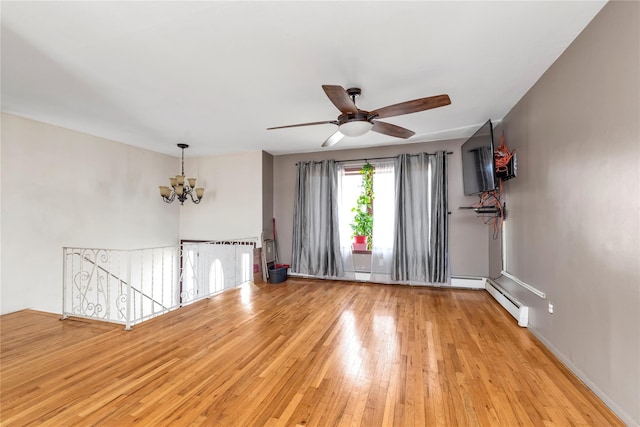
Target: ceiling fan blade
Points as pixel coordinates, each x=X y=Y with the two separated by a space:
x=333 y=139
x=340 y=98
x=392 y=130
x=414 y=106
x=332 y=122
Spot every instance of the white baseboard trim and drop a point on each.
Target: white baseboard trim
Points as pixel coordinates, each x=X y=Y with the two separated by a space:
x=461 y=282
x=468 y=282
x=518 y=310
x=365 y=277
x=621 y=413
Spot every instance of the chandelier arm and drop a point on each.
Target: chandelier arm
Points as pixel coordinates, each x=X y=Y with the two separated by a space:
x=194 y=200
x=169 y=199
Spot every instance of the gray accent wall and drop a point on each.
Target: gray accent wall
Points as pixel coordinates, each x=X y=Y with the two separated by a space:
x=267 y=195
x=574 y=216
x=468 y=238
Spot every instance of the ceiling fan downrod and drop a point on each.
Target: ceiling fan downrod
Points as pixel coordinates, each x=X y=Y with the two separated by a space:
x=353 y=93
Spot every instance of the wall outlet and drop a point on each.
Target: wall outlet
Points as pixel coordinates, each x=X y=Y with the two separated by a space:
x=551 y=307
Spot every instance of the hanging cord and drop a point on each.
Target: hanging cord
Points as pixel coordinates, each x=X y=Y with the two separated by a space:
x=502 y=156
x=493 y=199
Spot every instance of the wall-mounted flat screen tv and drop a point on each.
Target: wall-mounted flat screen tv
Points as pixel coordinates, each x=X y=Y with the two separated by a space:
x=478 y=164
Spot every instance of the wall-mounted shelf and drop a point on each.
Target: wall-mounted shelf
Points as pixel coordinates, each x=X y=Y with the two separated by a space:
x=483 y=210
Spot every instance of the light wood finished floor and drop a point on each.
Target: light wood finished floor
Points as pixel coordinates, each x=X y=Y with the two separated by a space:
x=306 y=353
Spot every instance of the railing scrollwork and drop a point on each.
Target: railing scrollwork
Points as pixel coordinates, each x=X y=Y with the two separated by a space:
x=130 y=286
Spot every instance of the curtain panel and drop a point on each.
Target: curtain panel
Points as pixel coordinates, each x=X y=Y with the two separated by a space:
x=420 y=250
x=347 y=195
x=438 y=260
x=316 y=234
x=383 y=220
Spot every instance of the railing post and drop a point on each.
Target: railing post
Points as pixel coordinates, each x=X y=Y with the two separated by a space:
x=153 y=273
x=128 y=317
x=64 y=284
x=108 y=293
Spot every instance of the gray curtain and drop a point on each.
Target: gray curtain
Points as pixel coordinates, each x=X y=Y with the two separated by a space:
x=420 y=250
x=439 y=215
x=316 y=233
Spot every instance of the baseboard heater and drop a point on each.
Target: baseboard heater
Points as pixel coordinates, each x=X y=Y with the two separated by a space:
x=512 y=305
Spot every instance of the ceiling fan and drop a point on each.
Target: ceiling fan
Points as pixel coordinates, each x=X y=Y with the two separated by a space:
x=356 y=122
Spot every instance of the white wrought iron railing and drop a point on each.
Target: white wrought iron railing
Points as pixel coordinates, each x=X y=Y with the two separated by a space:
x=131 y=286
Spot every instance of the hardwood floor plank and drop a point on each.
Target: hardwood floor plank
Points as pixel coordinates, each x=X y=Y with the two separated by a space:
x=299 y=353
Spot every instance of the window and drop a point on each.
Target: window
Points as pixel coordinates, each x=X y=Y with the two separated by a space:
x=352 y=186
x=381 y=209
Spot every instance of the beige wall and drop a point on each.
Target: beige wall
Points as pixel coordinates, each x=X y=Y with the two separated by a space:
x=468 y=238
x=232 y=204
x=574 y=225
x=65 y=188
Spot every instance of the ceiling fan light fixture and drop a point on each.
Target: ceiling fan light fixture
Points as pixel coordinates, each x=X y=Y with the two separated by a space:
x=355 y=128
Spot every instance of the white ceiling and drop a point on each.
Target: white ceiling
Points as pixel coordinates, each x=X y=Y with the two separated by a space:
x=216 y=74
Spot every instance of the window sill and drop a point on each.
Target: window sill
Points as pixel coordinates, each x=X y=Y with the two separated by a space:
x=360 y=252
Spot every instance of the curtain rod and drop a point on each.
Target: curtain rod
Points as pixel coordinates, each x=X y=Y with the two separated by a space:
x=377 y=158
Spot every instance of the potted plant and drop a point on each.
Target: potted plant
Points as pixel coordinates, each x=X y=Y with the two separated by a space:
x=362 y=225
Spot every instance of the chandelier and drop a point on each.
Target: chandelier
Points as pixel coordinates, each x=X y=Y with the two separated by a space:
x=181 y=188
